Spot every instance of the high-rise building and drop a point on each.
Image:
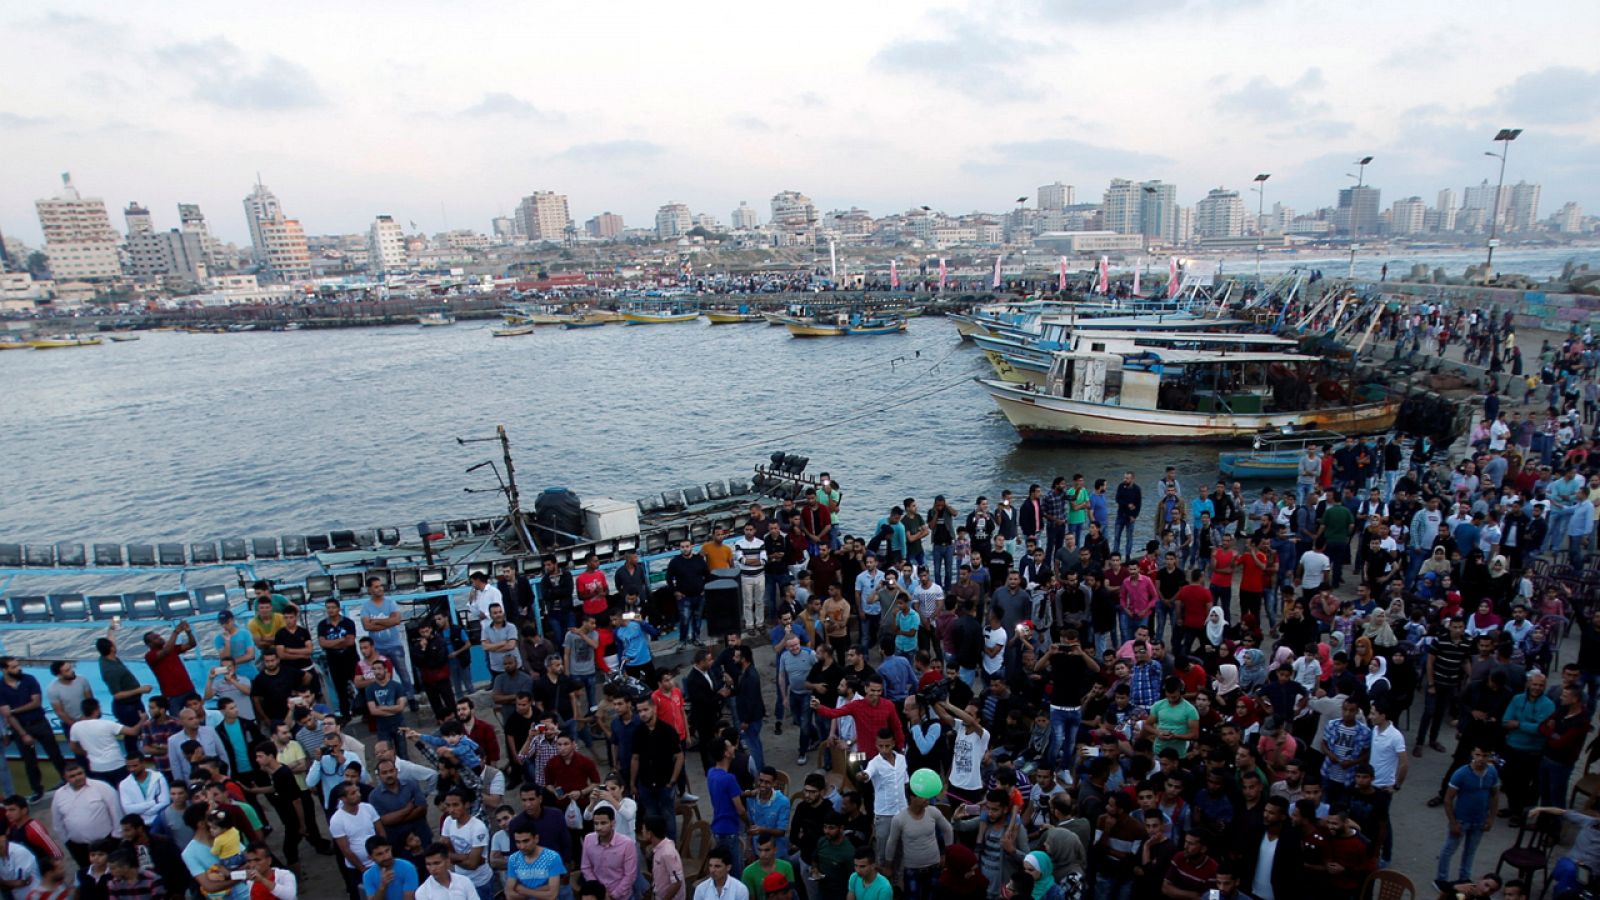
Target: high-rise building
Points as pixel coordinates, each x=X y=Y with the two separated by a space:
x=138 y=220
x=1522 y=212
x=1490 y=199
x=1407 y=216
x=1277 y=220
x=673 y=221
x=260 y=206
x=707 y=221
x=192 y=221
x=1219 y=215
x=745 y=217
x=1120 y=207
x=1158 y=203
x=1056 y=197
x=793 y=211
x=1359 y=212
x=1569 y=218
x=605 y=226
x=288 y=258
x=175 y=254
x=542 y=216
x=1183 y=225
x=1447 y=210
x=503 y=226
x=79 y=241
x=386 y=246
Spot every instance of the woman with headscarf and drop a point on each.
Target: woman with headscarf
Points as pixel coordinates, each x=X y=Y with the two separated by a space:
x=1216 y=626
x=1246 y=715
x=961 y=879
x=1226 y=684
x=1502 y=585
x=1474 y=580
x=1483 y=620
x=1378 y=686
x=1536 y=650
x=1252 y=669
x=1038 y=865
x=1437 y=562
x=1362 y=654
x=1380 y=632
x=1402 y=677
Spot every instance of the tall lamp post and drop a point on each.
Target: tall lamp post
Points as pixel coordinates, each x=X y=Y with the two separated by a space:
x=1505 y=137
x=1261 y=206
x=1355 y=209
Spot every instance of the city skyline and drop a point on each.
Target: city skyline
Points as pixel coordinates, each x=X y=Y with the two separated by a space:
x=454 y=131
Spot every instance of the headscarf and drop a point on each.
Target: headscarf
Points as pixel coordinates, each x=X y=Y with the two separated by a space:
x=1378 y=629
x=1045 y=879
x=1375 y=677
x=1216 y=622
x=1498 y=566
x=1325 y=654
x=1227 y=679
x=1282 y=656
x=1252 y=668
x=961 y=875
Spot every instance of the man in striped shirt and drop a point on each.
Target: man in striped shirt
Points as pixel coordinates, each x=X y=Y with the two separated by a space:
x=1447 y=660
x=24 y=829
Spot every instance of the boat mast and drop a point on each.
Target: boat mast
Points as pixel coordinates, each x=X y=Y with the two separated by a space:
x=513 y=499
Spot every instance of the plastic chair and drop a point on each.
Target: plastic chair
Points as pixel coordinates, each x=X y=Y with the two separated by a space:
x=1530 y=852
x=1387 y=884
x=1588 y=783
x=694 y=848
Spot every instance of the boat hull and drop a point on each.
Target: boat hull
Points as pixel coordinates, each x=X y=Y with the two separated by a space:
x=580 y=323
x=1246 y=465
x=56 y=344
x=1038 y=417
x=514 y=331
x=1015 y=371
x=634 y=318
x=808 y=329
x=727 y=318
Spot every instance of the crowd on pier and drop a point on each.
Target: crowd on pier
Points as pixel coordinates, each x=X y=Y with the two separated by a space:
x=1099 y=687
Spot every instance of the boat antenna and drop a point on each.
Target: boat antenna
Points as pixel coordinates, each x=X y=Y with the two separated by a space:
x=509 y=487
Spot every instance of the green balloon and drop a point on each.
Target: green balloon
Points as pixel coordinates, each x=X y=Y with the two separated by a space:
x=925 y=783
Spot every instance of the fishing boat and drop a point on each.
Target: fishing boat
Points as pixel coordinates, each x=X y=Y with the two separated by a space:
x=583 y=322
x=732 y=317
x=659 y=315
x=65 y=340
x=435 y=319
x=14 y=343
x=1028 y=361
x=843 y=325
x=1274 y=454
x=1156 y=395
x=513 y=331
x=122 y=337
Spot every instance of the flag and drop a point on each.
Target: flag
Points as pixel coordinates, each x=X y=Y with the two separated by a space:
x=894 y=275
x=1105 y=275
x=1136 y=269
x=996 y=282
x=1172 y=276
x=941 y=274
x=1061 y=276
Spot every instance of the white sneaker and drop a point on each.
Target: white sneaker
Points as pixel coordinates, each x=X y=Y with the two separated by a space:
x=690 y=798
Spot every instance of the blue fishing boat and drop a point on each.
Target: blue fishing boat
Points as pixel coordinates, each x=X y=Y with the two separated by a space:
x=1274 y=455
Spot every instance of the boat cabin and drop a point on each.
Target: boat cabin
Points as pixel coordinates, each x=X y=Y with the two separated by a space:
x=1178 y=380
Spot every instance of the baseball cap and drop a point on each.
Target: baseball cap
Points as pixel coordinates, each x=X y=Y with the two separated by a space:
x=224 y=616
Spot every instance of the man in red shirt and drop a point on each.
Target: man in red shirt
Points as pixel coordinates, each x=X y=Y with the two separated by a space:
x=165 y=658
x=570 y=773
x=592 y=587
x=870 y=714
x=1193 y=603
x=1350 y=857
x=1224 y=562
x=1192 y=872
x=1253 y=562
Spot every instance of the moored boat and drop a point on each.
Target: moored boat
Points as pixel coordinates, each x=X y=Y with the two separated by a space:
x=1176 y=396
x=732 y=317
x=121 y=337
x=435 y=319
x=583 y=322
x=1274 y=454
x=663 y=315
x=65 y=340
x=513 y=331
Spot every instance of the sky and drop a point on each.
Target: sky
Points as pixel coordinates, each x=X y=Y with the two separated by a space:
x=445 y=115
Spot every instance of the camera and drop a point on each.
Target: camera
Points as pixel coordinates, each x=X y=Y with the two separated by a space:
x=934 y=694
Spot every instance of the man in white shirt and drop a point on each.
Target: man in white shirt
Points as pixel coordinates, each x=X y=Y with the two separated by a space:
x=1312 y=568
x=887 y=772
x=719 y=863
x=19 y=869
x=258 y=868
x=750 y=554
x=469 y=843
x=350 y=827
x=99 y=741
x=482 y=596
x=442 y=883
x=84 y=811
x=144 y=792
x=1390 y=764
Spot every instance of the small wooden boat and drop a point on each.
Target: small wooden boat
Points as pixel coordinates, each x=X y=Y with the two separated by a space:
x=658 y=317
x=12 y=343
x=122 y=337
x=513 y=331
x=435 y=319
x=732 y=317
x=583 y=322
x=65 y=340
x=842 y=327
x=1275 y=454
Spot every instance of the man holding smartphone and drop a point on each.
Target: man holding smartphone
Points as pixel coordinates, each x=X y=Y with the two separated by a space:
x=1072 y=673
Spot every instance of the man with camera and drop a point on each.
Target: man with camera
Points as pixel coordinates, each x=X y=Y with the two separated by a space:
x=1072 y=672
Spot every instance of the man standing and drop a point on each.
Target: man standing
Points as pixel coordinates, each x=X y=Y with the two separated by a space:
x=1563 y=734
x=481 y=597
x=1130 y=501
x=165 y=658
x=23 y=707
x=143 y=793
x=1346 y=743
x=380 y=616
x=750 y=552
x=728 y=816
x=84 y=811
x=387 y=878
x=886 y=772
x=687 y=574
x=533 y=872
x=336 y=634
x=127 y=705
x=794 y=665
x=1524 y=745
x=1390 y=765
x=656 y=766
x=608 y=857
x=289 y=798
x=1469 y=805
x=444 y=883
x=749 y=706
x=666 y=866
x=1442 y=678
x=96 y=740
x=556 y=593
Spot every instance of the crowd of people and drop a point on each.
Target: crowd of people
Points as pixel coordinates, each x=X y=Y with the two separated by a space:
x=1014 y=700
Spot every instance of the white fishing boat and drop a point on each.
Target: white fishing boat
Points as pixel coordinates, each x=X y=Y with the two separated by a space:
x=1155 y=395
x=435 y=319
x=513 y=331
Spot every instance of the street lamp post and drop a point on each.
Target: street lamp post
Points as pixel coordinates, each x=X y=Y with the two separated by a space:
x=1504 y=137
x=1355 y=211
x=1261 y=206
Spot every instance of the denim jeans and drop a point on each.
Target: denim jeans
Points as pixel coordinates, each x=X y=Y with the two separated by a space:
x=804 y=719
x=775 y=585
x=1223 y=597
x=1577 y=546
x=1271 y=608
x=661 y=802
x=1559 y=518
x=1122 y=537
x=1064 y=735
x=1077 y=532
x=1055 y=536
x=460 y=677
x=1553 y=778
x=734 y=844
x=751 y=732
x=869 y=631
x=1164 y=619
x=689 y=618
x=1471 y=834
x=590 y=685
x=944 y=562
x=1129 y=623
